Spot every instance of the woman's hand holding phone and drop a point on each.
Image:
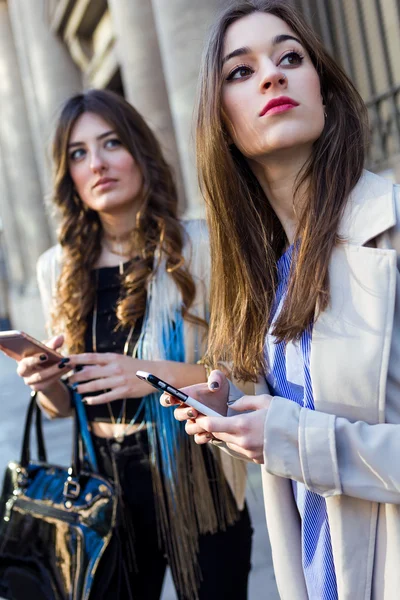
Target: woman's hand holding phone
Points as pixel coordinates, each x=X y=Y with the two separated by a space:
x=242 y=433
x=214 y=394
x=34 y=371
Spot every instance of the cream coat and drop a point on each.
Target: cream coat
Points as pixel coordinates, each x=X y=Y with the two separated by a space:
x=348 y=449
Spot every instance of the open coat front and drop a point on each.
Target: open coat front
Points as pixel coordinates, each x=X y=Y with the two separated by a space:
x=348 y=449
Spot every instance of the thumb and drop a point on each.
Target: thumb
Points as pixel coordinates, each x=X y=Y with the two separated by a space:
x=217 y=380
x=55 y=342
x=249 y=403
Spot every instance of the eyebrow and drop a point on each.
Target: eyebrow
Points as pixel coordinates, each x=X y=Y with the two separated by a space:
x=278 y=39
x=99 y=137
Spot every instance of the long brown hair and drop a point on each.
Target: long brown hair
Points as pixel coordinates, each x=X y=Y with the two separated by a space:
x=246 y=236
x=81 y=231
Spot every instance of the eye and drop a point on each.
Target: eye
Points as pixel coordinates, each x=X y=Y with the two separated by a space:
x=77 y=154
x=291 y=59
x=240 y=72
x=112 y=143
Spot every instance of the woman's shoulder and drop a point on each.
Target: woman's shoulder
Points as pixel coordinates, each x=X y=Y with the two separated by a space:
x=51 y=255
x=370 y=210
x=396 y=195
x=196 y=248
x=48 y=264
x=195 y=229
x=196 y=239
x=384 y=190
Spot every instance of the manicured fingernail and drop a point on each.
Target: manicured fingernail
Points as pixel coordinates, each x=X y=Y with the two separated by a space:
x=43 y=357
x=214 y=385
x=63 y=362
x=167 y=400
x=190 y=414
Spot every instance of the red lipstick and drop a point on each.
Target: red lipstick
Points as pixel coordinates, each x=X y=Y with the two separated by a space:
x=278 y=105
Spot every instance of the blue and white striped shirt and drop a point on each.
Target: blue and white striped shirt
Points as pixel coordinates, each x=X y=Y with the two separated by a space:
x=289 y=377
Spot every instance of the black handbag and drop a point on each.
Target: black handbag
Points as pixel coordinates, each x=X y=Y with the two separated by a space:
x=55 y=522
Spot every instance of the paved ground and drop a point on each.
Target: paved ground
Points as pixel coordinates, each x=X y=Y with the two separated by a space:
x=14 y=397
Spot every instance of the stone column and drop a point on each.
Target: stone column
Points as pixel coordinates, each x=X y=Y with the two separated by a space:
x=16 y=270
x=18 y=154
x=142 y=73
x=26 y=229
x=48 y=73
x=181 y=28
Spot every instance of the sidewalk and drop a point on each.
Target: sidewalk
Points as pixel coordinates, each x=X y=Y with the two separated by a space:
x=14 y=397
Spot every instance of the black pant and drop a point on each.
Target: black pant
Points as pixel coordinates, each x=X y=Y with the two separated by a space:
x=224 y=557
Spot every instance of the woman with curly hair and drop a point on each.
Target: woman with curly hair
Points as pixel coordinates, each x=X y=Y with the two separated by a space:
x=126 y=288
x=306 y=255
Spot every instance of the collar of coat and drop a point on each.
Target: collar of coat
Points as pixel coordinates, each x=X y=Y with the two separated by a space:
x=370 y=210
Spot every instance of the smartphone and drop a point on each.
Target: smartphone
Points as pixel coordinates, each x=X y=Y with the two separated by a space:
x=18 y=345
x=163 y=386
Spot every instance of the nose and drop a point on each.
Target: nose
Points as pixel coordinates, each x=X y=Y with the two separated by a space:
x=272 y=76
x=98 y=164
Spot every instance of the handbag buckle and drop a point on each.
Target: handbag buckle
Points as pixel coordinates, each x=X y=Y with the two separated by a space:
x=72 y=489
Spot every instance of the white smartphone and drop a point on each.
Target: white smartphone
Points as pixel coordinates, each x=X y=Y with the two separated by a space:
x=18 y=345
x=163 y=386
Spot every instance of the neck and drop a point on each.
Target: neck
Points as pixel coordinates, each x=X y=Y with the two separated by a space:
x=119 y=224
x=117 y=243
x=277 y=176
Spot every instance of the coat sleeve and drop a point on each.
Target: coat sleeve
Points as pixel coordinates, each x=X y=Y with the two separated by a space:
x=332 y=455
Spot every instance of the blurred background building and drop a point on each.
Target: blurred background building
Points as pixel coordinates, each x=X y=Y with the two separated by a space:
x=149 y=51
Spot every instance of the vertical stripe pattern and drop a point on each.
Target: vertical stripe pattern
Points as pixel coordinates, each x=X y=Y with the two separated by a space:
x=289 y=377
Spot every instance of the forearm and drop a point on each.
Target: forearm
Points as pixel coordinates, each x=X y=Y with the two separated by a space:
x=177 y=374
x=332 y=455
x=56 y=400
x=287 y=453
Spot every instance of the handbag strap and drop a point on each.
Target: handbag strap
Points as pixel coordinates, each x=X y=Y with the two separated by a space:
x=85 y=448
x=82 y=444
x=26 y=441
x=41 y=447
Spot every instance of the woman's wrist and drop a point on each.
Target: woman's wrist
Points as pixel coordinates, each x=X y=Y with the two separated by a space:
x=180 y=374
x=56 y=399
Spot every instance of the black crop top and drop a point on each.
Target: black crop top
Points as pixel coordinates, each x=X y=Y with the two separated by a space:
x=110 y=338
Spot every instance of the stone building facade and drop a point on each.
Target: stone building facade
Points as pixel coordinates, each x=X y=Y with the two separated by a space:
x=149 y=51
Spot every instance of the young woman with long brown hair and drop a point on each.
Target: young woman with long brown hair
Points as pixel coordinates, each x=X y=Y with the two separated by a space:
x=127 y=287
x=305 y=302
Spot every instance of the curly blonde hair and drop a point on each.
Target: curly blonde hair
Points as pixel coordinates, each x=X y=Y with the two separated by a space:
x=80 y=234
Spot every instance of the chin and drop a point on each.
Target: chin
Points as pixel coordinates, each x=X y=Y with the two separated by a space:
x=283 y=142
x=110 y=203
